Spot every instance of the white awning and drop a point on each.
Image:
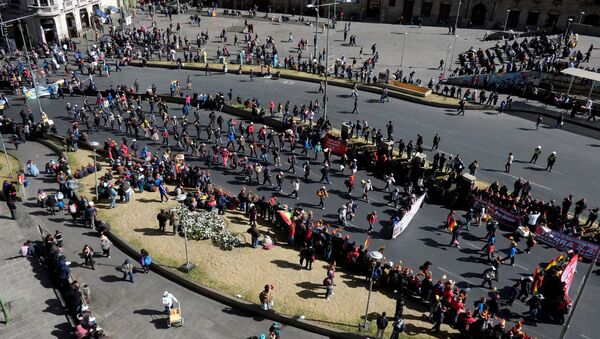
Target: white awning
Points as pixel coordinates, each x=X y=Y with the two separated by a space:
x=580 y=73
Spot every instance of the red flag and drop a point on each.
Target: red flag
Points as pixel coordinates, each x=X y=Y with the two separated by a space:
x=569 y=272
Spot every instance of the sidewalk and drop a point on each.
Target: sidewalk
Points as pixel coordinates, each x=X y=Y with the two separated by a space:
x=127 y=310
x=25 y=289
x=551 y=113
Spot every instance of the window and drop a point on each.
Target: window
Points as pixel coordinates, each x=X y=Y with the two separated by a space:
x=532 y=18
x=392 y=3
x=426 y=8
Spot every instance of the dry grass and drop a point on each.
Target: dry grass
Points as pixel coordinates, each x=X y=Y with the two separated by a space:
x=15 y=165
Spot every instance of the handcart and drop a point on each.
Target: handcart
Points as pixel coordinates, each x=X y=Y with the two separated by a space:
x=175 y=318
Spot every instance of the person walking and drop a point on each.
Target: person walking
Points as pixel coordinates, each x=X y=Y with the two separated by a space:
x=295 y=188
x=538 y=122
x=322 y=194
x=12 y=207
x=266 y=297
x=88 y=255
x=162 y=218
x=355 y=109
x=488 y=276
x=455 y=241
x=550 y=162
x=167 y=300
x=512 y=253
x=105 y=245
x=145 y=260
x=371 y=219
x=509 y=161
x=382 y=323
x=127 y=269
x=536 y=154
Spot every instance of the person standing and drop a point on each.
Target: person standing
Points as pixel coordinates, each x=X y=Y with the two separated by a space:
x=592 y=216
x=322 y=194
x=88 y=255
x=382 y=323
x=536 y=154
x=509 y=161
x=371 y=219
x=266 y=297
x=145 y=260
x=162 y=218
x=127 y=269
x=436 y=142
x=295 y=188
x=538 y=122
x=328 y=282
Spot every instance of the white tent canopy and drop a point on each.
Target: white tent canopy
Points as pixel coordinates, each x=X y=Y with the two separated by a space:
x=580 y=73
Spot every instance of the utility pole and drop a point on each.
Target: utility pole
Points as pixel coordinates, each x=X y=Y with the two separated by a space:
x=457 y=16
x=35 y=86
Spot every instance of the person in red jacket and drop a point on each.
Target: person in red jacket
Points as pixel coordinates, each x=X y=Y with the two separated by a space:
x=371 y=219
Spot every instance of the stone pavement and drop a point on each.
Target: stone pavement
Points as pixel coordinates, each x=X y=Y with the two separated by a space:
x=25 y=288
x=420 y=49
x=123 y=309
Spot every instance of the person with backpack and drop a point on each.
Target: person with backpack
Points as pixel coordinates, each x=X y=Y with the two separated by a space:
x=382 y=323
x=145 y=260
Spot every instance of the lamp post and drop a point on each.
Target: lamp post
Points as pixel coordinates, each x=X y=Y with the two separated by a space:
x=5 y=154
x=95 y=145
x=506 y=21
x=188 y=266
x=453 y=50
x=457 y=16
x=581 y=17
x=35 y=86
x=316 y=7
x=446 y=59
x=374 y=255
x=403 y=45
x=567 y=30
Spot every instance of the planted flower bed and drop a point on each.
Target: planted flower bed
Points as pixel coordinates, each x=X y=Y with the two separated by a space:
x=203 y=225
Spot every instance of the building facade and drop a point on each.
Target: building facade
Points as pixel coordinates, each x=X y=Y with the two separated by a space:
x=52 y=20
x=488 y=14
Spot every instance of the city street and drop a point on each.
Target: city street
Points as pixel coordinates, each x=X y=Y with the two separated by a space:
x=478 y=135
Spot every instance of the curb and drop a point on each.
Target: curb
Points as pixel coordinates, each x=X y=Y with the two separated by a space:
x=334 y=82
x=209 y=292
x=549 y=115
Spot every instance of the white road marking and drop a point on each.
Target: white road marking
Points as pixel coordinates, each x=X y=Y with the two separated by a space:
x=519 y=266
x=531 y=182
x=456 y=276
x=473 y=245
x=585 y=336
x=288 y=82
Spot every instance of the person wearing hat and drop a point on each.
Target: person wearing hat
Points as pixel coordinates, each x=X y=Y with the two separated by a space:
x=167 y=300
x=90 y=216
x=536 y=153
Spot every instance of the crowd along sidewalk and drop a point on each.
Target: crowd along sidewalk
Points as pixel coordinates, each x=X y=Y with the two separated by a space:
x=122 y=308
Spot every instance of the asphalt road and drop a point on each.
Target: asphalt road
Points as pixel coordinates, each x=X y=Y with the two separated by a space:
x=478 y=135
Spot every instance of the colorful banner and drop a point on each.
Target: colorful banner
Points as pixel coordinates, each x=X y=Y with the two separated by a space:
x=336 y=145
x=503 y=80
x=401 y=225
x=501 y=215
x=569 y=272
x=563 y=242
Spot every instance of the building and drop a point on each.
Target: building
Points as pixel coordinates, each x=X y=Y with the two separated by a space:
x=489 y=14
x=51 y=20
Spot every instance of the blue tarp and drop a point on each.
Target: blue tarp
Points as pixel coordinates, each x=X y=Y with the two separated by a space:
x=101 y=14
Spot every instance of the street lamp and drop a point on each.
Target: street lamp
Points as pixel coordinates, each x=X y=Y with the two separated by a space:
x=403 y=45
x=457 y=16
x=188 y=266
x=567 y=30
x=506 y=21
x=581 y=17
x=5 y=153
x=95 y=145
x=374 y=255
x=316 y=7
x=446 y=59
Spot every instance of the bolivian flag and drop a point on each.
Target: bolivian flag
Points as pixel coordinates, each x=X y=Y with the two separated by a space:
x=367 y=242
x=451 y=223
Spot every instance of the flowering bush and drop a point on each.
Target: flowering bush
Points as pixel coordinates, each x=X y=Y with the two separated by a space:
x=202 y=225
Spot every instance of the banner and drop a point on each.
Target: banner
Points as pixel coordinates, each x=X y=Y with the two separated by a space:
x=337 y=146
x=401 y=225
x=563 y=242
x=501 y=215
x=569 y=272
